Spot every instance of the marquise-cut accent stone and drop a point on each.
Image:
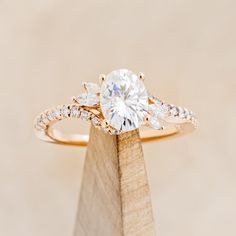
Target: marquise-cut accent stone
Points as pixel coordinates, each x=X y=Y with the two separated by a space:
x=157 y=110
x=124 y=100
x=155 y=100
x=91 y=97
x=86 y=99
x=154 y=123
x=92 y=88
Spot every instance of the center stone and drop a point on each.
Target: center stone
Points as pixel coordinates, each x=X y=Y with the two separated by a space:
x=124 y=100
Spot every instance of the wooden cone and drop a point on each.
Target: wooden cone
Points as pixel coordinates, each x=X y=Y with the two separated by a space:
x=115 y=198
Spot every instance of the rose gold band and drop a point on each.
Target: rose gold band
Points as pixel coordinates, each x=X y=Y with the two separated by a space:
x=176 y=123
x=55 y=136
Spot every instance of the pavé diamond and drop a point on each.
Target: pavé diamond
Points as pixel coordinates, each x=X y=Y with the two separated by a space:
x=124 y=100
x=174 y=111
x=95 y=121
x=44 y=119
x=75 y=111
x=85 y=115
x=51 y=115
x=40 y=124
x=65 y=111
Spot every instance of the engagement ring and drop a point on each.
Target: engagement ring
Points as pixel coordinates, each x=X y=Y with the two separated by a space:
x=118 y=104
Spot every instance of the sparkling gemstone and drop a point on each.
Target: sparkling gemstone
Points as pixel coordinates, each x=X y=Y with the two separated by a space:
x=181 y=112
x=92 y=88
x=84 y=115
x=65 y=111
x=40 y=124
x=75 y=112
x=95 y=121
x=157 y=110
x=51 y=115
x=174 y=111
x=124 y=100
x=155 y=100
x=154 y=123
x=91 y=97
x=114 y=132
x=165 y=108
x=86 y=99
x=45 y=119
x=186 y=112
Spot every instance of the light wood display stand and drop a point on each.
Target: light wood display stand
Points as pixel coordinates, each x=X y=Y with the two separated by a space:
x=115 y=197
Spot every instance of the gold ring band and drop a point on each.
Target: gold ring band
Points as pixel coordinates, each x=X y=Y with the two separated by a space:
x=178 y=124
x=120 y=104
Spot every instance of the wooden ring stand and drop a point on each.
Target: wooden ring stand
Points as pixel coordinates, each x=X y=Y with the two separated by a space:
x=115 y=197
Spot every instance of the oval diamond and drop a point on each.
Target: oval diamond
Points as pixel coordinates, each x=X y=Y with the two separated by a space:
x=124 y=100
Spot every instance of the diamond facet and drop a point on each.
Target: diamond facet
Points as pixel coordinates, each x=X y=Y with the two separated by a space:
x=160 y=111
x=91 y=97
x=86 y=99
x=92 y=88
x=124 y=100
x=75 y=111
x=65 y=111
x=85 y=115
x=154 y=123
x=95 y=121
x=39 y=123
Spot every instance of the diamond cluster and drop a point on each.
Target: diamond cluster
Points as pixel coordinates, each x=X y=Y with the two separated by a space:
x=91 y=97
x=48 y=117
x=64 y=111
x=120 y=104
x=159 y=110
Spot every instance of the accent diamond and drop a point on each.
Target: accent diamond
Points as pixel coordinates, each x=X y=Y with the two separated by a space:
x=86 y=99
x=174 y=111
x=154 y=123
x=85 y=115
x=124 y=100
x=95 y=121
x=39 y=123
x=160 y=111
x=75 y=111
x=92 y=88
x=91 y=97
x=44 y=119
x=65 y=111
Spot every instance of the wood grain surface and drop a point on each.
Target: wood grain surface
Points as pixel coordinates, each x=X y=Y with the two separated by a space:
x=115 y=197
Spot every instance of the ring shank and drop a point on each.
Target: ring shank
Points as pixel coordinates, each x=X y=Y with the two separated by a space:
x=54 y=135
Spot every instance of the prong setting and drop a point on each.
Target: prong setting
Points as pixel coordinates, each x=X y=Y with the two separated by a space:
x=120 y=103
x=141 y=76
x=74 y=99
x=147 y=118
x=102 y=78
x=84 y=85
